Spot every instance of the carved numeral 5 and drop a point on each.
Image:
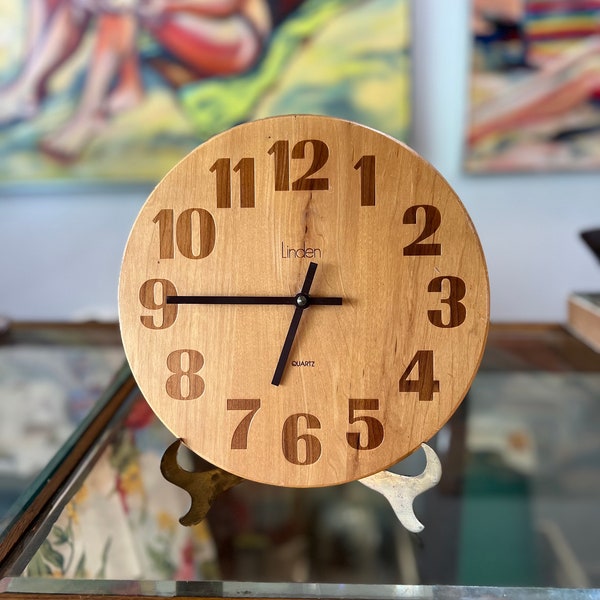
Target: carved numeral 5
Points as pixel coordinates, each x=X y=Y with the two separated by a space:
x=373 y=436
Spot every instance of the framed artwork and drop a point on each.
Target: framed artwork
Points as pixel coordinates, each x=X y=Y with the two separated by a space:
x=117 y=91
x=535 y=86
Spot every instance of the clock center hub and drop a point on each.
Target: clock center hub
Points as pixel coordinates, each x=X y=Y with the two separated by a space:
x=302 y=300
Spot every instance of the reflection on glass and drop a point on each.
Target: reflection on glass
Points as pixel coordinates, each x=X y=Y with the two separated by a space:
x=48 y=384
x=122 y=521
x=518 y=506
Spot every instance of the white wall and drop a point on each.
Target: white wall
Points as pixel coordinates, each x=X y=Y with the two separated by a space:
x=60 y=255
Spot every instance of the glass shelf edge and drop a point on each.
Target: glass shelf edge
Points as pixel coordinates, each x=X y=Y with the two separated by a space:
x=11 y=586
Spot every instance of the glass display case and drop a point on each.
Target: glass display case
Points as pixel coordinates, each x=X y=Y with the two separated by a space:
x=518 y=505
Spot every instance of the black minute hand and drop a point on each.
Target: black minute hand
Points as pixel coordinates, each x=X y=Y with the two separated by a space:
x=256 y=300
x=302 y=301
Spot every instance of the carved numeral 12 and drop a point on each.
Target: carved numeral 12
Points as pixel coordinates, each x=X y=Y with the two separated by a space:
x=281 y=156
x=222 y=169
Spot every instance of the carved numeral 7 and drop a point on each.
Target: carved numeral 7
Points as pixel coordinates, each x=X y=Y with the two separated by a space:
x=424 y=384
x=239 y=441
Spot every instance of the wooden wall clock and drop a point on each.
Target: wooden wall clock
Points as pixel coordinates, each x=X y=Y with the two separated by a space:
x=303 y=301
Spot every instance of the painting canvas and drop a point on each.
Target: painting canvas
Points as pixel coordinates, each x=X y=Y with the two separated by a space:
x=117 y=91
x=535 y=86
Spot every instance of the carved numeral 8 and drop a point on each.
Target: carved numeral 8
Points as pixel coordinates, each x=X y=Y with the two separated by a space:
x=185 y=383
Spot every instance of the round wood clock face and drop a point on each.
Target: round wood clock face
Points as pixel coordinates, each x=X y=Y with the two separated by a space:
x=303 y=301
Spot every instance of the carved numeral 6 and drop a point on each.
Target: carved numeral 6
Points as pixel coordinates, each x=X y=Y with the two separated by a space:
x=300 y=448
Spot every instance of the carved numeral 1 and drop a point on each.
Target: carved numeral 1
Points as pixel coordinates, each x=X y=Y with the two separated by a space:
x=424 y=384
x=222 y=169
x=366 y=166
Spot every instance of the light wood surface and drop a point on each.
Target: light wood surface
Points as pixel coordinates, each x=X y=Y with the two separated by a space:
x=365 y=382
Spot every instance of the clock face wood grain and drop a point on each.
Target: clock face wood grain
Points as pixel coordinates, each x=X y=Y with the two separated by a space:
x=236 y=226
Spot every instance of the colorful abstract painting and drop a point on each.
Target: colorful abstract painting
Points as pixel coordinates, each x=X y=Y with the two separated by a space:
x=118 y=91
x=535 y=86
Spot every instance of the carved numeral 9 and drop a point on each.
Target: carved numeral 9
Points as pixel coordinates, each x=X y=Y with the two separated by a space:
x=153 y=296
x=185 y=383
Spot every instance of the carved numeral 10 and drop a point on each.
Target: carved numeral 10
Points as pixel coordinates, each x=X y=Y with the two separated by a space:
x=193 y=233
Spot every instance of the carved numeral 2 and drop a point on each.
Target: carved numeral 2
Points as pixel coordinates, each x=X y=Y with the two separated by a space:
x=433 y=220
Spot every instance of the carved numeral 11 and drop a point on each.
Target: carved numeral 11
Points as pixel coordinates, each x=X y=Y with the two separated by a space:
x=222 y=170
